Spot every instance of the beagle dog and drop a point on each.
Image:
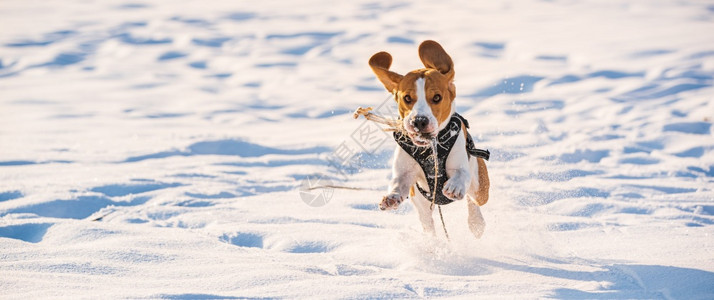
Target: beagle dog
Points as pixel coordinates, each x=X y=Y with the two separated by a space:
x=425 y=99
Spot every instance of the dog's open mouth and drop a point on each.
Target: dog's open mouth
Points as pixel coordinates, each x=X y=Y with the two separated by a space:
x=421 y=139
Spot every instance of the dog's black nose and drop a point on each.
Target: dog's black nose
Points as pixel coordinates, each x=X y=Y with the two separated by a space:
x=421 y=123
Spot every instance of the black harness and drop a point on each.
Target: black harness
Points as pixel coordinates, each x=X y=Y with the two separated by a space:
x=445 y=142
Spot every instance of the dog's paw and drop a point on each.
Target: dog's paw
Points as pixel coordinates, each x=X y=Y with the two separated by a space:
x=454 y=189
x=391 y=201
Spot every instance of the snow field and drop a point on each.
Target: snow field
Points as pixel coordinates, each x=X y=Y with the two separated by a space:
x=155 y=149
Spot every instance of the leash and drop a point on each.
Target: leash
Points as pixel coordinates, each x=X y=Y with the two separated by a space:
x=444 y=225
x=341 y=187
x=434 y=151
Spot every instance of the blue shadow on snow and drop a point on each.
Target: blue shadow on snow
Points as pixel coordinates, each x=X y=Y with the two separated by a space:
x=231 y=147
x=79 y=208
x=118 y=190
x=200 y=297
x=9 y=195
x=637 y=282
x=514 y=85
x=31 y=233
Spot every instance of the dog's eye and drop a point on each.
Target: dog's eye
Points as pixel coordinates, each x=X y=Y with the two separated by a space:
x=436 y=98
x=407 y=99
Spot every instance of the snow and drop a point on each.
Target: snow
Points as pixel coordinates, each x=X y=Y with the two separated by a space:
x=156 y=149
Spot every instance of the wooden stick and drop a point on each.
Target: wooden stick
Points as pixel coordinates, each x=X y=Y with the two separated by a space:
x=394 y=125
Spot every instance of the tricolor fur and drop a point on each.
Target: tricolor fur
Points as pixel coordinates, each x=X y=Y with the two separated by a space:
x=425 y=98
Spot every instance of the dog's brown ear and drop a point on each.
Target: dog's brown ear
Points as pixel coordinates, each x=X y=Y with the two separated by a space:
x=434 y=57
x=380 y=63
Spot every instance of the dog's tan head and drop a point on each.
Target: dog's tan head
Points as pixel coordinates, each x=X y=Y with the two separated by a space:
x=425 y=96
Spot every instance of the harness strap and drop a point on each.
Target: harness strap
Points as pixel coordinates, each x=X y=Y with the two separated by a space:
x=445 y=141
x=470 y=145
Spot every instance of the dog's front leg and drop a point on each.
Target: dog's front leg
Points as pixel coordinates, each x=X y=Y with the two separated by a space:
x=457 y=168
x=404 y=171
